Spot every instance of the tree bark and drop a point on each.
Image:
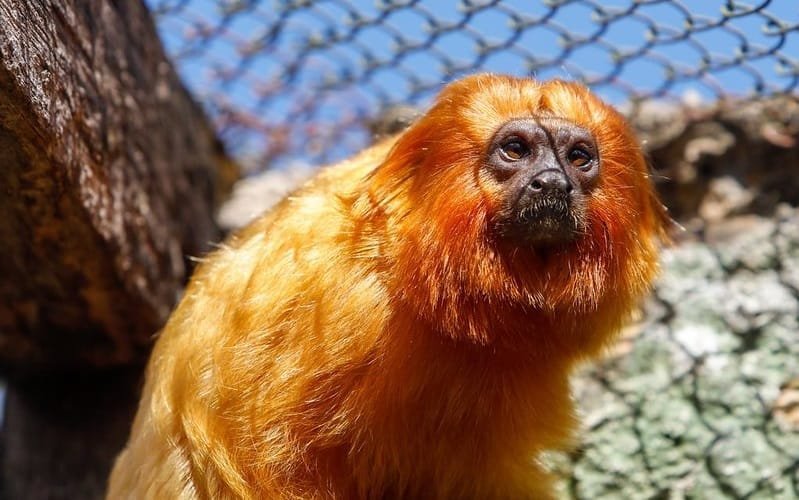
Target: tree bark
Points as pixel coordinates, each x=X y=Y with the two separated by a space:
x=110 y=176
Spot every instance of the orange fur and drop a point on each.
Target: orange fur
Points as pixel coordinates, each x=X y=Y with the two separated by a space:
x=370 y=338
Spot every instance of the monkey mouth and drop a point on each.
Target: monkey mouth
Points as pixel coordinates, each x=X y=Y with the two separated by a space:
x=545 y=211
x=548 y=223
x=543 y=221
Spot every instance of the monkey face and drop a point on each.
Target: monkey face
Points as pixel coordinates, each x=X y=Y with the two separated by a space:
x=509 y=190
x=547 y=167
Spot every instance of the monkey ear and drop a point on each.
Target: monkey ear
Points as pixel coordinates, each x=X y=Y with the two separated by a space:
x=388 y=179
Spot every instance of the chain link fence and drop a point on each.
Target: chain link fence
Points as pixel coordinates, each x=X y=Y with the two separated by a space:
x=299 y=79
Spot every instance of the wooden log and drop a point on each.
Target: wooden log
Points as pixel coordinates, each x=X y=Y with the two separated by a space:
x=110 y=176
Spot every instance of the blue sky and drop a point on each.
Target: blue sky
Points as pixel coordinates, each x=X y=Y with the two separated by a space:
x=270 y=94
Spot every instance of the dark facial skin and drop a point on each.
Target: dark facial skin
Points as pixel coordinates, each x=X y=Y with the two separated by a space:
x=548 y=167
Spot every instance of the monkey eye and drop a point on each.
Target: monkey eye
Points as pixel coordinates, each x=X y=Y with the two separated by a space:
x=579 y=157
x=514 y=150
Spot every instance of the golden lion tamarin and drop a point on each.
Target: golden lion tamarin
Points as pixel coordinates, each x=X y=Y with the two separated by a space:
x=403 y=326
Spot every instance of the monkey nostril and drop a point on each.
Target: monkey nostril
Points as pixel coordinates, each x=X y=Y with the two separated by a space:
x=551 y=182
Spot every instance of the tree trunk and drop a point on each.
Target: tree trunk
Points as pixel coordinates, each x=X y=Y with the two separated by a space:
x=61 y=434
x=110 y=176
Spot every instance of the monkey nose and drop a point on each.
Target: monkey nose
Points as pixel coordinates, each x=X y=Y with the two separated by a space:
x=551 y=181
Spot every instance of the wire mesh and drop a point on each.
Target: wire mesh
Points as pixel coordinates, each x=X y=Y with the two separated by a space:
x=298 y=79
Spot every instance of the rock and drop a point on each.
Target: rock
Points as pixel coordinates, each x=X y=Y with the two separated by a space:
x=705 y=404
